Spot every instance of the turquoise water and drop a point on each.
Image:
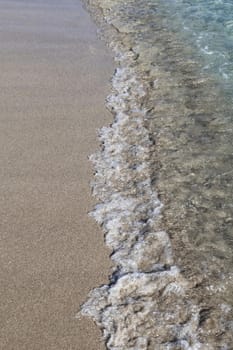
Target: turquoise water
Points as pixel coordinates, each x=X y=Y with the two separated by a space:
x=174 y=83
x=208 y=25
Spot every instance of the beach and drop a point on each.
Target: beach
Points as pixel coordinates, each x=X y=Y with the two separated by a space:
x=54 y=80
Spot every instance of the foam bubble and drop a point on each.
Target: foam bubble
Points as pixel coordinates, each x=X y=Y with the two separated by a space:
x=148 y=303
x=145 y=304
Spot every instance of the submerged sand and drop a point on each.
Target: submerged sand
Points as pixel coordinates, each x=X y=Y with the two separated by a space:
x=54 y=75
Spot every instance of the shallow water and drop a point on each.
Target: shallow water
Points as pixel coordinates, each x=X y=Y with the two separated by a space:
x=164 y=176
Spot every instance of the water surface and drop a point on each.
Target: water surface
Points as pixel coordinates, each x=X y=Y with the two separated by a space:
x=170 y=146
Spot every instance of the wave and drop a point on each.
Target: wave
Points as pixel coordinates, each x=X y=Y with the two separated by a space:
x=148 y=303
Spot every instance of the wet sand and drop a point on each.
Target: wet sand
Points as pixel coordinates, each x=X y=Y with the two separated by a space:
x=54 y=75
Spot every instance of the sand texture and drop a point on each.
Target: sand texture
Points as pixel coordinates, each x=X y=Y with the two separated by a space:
x=54 y=75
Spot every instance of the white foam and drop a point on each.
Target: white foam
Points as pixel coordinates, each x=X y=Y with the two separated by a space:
x=144 y=306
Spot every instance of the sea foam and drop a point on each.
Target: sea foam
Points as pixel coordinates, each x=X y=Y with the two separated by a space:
x=149 y=303
x=145 y=304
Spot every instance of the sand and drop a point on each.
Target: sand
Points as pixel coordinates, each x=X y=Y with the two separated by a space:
x=54 y=79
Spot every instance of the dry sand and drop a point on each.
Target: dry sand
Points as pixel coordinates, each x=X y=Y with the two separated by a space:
x=54 y=75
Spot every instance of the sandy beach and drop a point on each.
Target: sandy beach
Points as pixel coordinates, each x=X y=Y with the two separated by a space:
x=54 y=79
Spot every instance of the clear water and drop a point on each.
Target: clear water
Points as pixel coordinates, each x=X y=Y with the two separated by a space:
x=166 y=171
x=208 y=25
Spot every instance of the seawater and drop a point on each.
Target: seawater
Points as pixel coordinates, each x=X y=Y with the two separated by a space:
x=164 y=176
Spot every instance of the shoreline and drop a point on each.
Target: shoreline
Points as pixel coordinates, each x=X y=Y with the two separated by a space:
x=151 y=272
x=55 y=80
